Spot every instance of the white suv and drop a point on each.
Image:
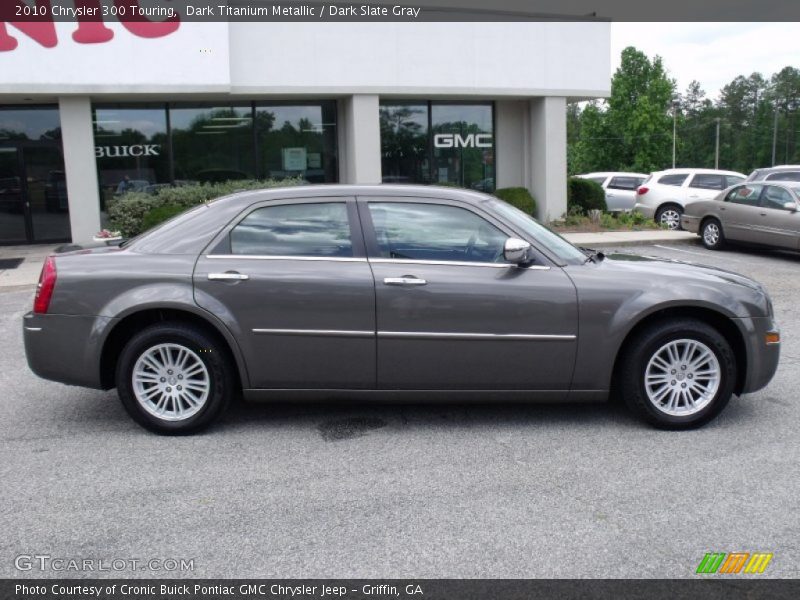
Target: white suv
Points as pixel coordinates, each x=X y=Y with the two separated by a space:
x=620 y=188
x=664 y=194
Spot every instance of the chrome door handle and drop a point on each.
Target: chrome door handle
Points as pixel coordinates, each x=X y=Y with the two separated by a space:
x=407 y=280
x=227 y=277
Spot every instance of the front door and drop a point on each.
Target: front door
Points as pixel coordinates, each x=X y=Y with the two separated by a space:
x=33 y=194
x=292 y=283
x=739 y=213
x=451 y=314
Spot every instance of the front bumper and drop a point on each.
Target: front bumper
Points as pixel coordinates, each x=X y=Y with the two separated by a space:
x=65 y=348
x=762 y=358
x=690 y=223
x=646 y=210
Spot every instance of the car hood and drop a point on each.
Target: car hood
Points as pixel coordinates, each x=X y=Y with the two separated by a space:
x=657 y=267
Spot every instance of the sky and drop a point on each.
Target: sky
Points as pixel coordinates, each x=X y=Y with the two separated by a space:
x=712 y=53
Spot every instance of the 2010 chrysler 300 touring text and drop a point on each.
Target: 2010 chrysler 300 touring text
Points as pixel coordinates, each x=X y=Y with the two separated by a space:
x=390 y=292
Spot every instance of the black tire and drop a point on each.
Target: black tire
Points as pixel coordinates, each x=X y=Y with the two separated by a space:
x=219 y=370
x=664 y=214
x=712 y=235
x=643 y=348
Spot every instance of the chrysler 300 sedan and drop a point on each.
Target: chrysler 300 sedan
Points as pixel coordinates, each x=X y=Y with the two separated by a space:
x=391 y=292
x=753 y=213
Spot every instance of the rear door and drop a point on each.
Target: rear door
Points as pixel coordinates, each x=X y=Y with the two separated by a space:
x=291 y=281
x=778 y=226
x=452 y=314
x=705 y=186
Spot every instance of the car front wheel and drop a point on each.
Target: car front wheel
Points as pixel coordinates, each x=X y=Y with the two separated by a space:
x=174 y=379
x=669 y=216
x=678 y=375
x=712 y=236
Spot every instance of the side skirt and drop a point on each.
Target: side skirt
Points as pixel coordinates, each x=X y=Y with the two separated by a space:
x=453 y=396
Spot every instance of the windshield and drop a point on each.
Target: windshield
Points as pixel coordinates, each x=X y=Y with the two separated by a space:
x=531 y=227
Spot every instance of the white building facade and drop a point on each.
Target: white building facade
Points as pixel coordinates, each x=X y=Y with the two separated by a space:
x=88 y=112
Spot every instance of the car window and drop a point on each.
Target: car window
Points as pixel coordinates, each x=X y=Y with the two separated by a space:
x=733 y=180
x=775 y=197
x=746 y=194
x=784 y=176
x=599 y=180
x=417 y=231
x=625 y=183
x=319 y=229
x=673 y=179
x=708 y=181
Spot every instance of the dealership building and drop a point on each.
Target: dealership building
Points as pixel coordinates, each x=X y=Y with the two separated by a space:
x=88 y=112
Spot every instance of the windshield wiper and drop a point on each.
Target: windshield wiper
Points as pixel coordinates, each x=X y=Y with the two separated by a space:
x=592 y=254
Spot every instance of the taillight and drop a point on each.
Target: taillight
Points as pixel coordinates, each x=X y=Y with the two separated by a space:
x=642 y=190
x=47 y=282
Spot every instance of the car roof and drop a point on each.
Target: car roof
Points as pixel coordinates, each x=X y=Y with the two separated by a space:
x=612 y=173
x=692 y=171
x=328 y=190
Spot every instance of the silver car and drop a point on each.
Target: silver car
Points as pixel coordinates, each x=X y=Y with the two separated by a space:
x=391 y=292
x=620 y=188
x=756 y=213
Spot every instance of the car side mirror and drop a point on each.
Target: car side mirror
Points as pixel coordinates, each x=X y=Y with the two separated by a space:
x=516 y=251
x=790 y=206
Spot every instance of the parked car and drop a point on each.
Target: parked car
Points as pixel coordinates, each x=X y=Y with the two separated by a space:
x=620 y=188
x=777 y=173
x=756 y=213
x=391 y=292
x=665 y=193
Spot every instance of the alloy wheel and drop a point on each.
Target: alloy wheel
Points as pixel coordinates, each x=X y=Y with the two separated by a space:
x=711 y=234
x=682 y=377
x=171 y=382
x=671 y=218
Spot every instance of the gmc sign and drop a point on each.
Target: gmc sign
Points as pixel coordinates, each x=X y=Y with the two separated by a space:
x=37 y=22
x=456 y=140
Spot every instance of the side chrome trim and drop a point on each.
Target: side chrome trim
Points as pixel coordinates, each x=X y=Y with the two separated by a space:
x=305 y=258
x=419 y=335
x=318 y=332
x=32 y=328
x=435 y=335
x=456 y=263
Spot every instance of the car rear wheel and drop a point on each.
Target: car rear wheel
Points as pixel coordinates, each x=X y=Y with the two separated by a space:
x=711 y=234
x=174 y=379
x=678 y=375
x=669 y=216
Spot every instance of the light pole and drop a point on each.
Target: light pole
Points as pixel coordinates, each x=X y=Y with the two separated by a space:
x=675 y=103
x=716 y=148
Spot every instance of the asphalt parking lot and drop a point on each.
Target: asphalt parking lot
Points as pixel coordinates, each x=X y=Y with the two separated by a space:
x=406 y=491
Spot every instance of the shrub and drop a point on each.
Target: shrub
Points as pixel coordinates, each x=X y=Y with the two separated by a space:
x=607 y=221
x=586 y=194
x=128 y=212
x=519 y=197
x=160 y=214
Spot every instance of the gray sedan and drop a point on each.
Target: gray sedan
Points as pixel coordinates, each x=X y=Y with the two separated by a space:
x=391 y=292
x=754 y=213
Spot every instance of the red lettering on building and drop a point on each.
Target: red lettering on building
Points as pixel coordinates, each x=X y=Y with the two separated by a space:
x=40 y=26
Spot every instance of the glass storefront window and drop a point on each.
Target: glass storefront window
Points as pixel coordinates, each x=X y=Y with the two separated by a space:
x=297 y=140
x=463 y=145
x=212 y=144
x=33 y=191
x=438 y=142
x=405 y=142
x=29 y=124
x=131 y=148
